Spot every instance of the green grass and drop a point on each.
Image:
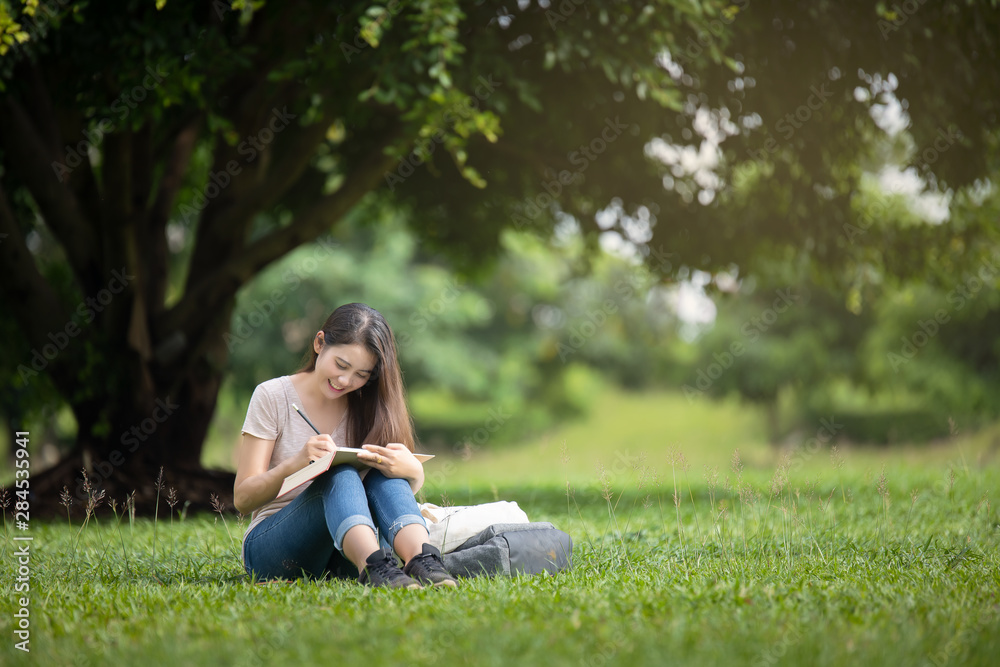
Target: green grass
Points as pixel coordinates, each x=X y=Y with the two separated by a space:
x=627 y=430
x=865 y=558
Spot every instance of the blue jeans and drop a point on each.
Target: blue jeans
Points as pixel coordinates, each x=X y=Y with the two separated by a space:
x=306 y=537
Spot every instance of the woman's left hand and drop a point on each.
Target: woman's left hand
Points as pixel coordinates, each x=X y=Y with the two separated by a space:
x=394 y=460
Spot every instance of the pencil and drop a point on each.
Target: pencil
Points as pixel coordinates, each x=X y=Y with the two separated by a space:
x=307 y=420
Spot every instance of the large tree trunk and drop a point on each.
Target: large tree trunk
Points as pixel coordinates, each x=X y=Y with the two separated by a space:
x=132 y=431
x=142 y=375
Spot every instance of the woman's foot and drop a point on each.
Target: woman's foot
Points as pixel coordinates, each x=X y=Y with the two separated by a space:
x=428 y=568
x=382 y=569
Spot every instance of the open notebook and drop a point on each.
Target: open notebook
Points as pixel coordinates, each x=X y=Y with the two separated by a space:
x=348 y=455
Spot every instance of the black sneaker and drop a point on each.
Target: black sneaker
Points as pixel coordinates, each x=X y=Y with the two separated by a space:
x=382 y=569
x=428 y=568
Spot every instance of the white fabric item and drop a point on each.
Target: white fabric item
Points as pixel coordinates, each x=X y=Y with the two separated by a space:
x=450 y=527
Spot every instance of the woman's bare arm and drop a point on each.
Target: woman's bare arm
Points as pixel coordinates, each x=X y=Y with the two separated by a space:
x=256 y=485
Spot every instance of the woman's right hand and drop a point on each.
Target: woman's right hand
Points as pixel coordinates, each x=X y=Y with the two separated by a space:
x=257 y=484
x=315 y=448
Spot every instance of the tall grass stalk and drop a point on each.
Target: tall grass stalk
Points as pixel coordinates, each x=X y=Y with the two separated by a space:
x=736 y=465
x=677 y=509
x=685 y=467
x=121 y=538
x=94 y=500
x=66 y=500
x=644 y=474
x=914 y=494
x=570 y=494
x=220 y=508
x=156 y=514
x=171 y=502
x=608 y=494
x=882 y=488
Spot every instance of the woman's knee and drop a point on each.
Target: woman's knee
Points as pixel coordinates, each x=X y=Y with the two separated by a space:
x=341 y=488
x=378 y=485
x=342 y=477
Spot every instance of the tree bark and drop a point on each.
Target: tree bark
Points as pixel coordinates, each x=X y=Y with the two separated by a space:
x=128 y=433
x=141 y=372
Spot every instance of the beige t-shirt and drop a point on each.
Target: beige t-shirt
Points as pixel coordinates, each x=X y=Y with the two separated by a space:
x=270 y=416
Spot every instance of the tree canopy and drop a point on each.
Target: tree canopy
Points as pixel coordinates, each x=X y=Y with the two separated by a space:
x=157 y=156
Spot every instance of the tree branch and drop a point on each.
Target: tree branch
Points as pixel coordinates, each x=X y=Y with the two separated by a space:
x=117 y=199
x=191 y=316
x=142 y=168
x=57 y=203
x=152 y=237
x=25 y=291
x=261 y=183
x=532 y=158
x=40 y=103
x=120 y=249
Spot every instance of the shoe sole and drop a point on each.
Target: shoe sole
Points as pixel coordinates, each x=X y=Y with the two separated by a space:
x=410 y=587
x=447 y=583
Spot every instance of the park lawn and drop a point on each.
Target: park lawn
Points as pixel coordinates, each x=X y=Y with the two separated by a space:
x=859 y=559
x=646 y=431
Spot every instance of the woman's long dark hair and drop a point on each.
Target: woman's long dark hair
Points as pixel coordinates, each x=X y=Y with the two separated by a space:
x=376 y=413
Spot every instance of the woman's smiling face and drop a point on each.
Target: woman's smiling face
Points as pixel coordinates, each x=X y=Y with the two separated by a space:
x=341 y=369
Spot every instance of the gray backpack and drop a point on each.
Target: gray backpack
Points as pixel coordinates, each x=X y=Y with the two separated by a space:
x=510 y=549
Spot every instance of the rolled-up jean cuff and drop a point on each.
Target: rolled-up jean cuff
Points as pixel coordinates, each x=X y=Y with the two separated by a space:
x=346 y=525
x=401 y=523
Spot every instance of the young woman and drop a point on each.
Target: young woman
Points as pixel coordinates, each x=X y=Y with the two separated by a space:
x=352 y=389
